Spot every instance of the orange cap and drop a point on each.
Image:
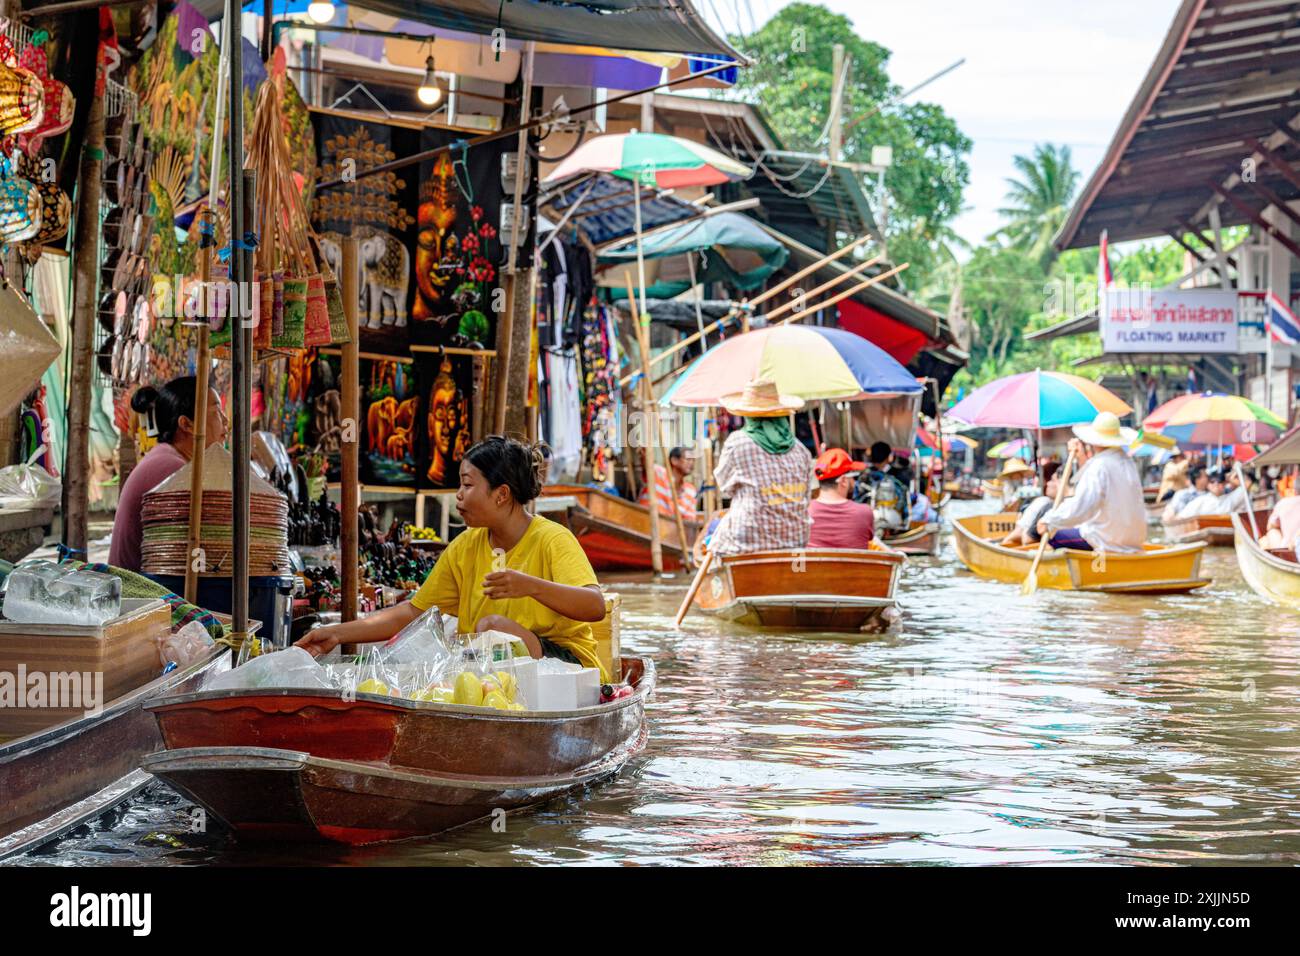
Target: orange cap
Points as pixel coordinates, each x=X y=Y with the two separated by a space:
x=834 y=462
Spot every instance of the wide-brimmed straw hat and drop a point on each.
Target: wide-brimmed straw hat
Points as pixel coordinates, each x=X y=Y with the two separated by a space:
x=1105 y=431
x=760 y=399
x=1013 y=467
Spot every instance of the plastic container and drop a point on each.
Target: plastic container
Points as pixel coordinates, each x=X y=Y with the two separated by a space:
x=270 y=600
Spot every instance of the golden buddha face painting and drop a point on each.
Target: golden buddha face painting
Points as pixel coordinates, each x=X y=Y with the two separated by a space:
x=448 y=424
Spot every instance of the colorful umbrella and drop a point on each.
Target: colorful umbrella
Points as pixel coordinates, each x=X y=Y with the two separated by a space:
x=925 y=438
x=1036 y=400
x=650 y=159
x=1213 y=418
x=809 y=361
x=1016 y=448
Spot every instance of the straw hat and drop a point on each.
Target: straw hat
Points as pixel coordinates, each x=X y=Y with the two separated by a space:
x=1105 y=431
x=760 y=399
x=1013 y=467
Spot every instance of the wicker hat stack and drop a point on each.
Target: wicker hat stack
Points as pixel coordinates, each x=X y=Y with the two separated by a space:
x=165 y=520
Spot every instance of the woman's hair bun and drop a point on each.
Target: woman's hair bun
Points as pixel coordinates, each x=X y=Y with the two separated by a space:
x=507 y=461
x=143 y=399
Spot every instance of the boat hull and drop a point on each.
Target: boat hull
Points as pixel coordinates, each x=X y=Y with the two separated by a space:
x=316 y=766
x=79 y=763
x=615 y=533
x=1214 y=530
x=823 y=589
x=1274 y=575
x=1157 y=570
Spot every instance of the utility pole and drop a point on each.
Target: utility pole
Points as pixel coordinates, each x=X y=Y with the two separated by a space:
x=836 y=132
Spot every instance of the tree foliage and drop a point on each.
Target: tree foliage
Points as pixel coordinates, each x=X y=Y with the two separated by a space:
x=1038 y=201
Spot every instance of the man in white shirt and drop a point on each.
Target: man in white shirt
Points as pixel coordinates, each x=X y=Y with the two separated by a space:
x=1235 y=498
x=1210 y=503
x=1199 y=485
x=1106 y=512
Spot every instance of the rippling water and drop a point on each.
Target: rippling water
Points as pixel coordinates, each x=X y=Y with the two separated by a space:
x=984 y=728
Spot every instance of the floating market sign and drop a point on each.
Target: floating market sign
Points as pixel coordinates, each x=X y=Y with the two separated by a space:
x=1175 y=320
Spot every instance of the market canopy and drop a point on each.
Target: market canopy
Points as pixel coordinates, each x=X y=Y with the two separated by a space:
x=1284 y=451
x=667 y=26
x=745 y=254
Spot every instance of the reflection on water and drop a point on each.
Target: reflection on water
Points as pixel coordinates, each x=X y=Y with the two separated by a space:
x=984 y=728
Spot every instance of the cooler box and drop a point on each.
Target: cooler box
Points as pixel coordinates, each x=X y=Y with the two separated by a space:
x=270 y=600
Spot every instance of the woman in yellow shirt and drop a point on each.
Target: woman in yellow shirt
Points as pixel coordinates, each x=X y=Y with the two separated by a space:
x=509 y=571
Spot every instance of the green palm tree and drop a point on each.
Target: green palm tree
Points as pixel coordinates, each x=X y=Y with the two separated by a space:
x=1039 y=201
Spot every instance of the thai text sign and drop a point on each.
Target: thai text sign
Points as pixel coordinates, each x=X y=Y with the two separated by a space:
x=1176 y=320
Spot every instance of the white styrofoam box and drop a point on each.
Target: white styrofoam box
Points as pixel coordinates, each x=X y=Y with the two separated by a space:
x=568 y=689
x=525 y=671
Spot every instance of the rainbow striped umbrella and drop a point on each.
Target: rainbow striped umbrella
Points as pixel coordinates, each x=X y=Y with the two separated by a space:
x=1036 y=400
x=809 y=361
x=1016 y=448
x=651 y=159
x=1213 y=418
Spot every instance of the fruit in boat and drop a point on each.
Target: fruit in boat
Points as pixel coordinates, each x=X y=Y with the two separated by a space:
x=509 y=684
x=468 y=689
x=517 y=706
x=372 y=686
x=496 y=700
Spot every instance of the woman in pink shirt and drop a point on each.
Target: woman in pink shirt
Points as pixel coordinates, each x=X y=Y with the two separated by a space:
x=837 y=520
x=170 y=412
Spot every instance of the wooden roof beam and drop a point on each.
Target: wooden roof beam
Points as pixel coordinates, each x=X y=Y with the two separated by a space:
x=1200 y=237
x=1253 y=215
x=1274 y=200
x=1275 y=160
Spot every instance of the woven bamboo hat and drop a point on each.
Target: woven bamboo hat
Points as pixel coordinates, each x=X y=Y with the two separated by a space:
x=760 y=399
x=1105 y=431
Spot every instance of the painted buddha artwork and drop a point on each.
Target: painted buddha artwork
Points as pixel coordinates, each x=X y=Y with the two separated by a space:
x=449 y=427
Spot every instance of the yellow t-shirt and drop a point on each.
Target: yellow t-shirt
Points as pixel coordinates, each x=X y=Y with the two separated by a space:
x=547 y=550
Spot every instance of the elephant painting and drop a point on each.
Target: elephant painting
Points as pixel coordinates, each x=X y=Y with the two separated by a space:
x=384 y=275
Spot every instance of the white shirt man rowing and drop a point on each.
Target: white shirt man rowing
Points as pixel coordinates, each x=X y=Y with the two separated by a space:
x=1106 y=512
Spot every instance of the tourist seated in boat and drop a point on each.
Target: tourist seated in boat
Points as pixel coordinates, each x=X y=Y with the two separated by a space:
x=1236 y=496
x=1174 y=477
x=1210 y=503
x=765 y=472
x=168 y=413
x=1017 y=482
x=1106 y=512
x=1198 y=479
x=900 y=468
x=681 y=461
x=1283 y=527
x=837 y=520
x=886 y=495
x=923 y=511
x=543 y=591
x=1026 y=529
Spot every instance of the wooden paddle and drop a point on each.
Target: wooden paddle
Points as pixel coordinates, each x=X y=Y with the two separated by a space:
x=695 y=586
x=1031 y=580
x=1250 y=500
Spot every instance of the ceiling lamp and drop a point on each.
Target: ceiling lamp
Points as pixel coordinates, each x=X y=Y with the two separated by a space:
x=428 y=92
x=320 y=11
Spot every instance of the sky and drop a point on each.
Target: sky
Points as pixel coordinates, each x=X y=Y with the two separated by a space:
x=1035 y=71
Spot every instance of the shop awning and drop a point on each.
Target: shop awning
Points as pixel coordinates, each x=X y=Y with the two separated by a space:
x=741 y=254
x=1088 y=322
x=901 y=341
x=668 y=26
x=1284 y=451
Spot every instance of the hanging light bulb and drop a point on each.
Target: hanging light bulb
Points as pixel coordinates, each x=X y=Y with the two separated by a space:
x=320 y=11
x=428 y=93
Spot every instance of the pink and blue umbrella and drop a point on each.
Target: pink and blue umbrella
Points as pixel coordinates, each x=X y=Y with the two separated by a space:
x=1037 y=400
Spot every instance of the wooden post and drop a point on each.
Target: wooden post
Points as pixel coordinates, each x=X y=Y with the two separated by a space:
x=652 y=436
x=202 y=366
x=673 y=486
x=349 y=450
x=76 y=469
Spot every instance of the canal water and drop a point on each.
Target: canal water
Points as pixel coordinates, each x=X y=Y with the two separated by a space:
x=984 y=728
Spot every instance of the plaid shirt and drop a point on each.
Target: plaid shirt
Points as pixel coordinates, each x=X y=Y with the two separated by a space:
x=769 y=497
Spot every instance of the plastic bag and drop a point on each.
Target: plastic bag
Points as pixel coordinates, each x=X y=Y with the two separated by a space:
x=289 y=668
x=187 y=646
x=30 y=484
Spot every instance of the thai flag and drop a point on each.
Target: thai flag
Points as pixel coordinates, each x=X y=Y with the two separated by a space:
x=1104 y=278
x=1283 y=326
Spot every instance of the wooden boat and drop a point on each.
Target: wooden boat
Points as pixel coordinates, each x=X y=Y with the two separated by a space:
x=960 y=492
x=1214 y=530
x=1273 y=574
x=614 y=532
x=1156 y=570
x=824 y=589
x=921 y=537
x=312 y=765
x=57 y=778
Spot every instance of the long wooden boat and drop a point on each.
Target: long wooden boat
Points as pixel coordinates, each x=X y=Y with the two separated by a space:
x=921 y=537
x=314 y=765
x=963 y=493
x=823 y=589
x=614 y=532
x=57 y=778
x=1273 y=574
x=1214 y=530
x=1155 y=570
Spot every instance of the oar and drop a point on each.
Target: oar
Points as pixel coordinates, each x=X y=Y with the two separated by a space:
x=695 y=586
x=1031 y=580
x=1250 y=501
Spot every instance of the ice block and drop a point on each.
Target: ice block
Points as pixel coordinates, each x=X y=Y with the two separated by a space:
x=42 y=592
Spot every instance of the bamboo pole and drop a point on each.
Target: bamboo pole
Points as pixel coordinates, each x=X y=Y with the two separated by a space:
x=648 y=409
x=350 y=486
x=675 y=489
x=829 y=283
x=808 y=310
x=202 y=368
x=757 y=300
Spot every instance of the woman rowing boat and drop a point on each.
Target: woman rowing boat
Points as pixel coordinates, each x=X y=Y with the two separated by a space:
x=509 y=571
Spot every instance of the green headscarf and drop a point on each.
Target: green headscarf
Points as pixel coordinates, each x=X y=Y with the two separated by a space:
x=774 y=435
